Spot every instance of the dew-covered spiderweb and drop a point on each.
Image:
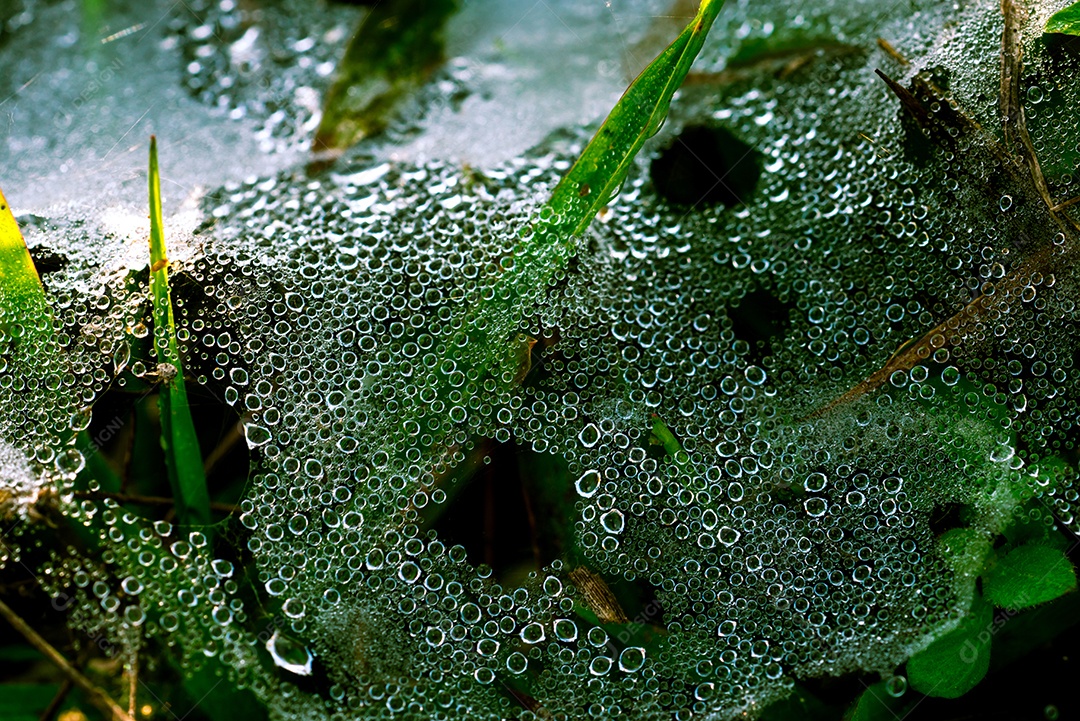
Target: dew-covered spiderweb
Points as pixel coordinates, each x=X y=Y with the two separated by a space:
x=724 y=504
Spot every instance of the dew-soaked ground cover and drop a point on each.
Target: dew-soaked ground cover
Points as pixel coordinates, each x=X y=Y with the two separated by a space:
x=770 y=417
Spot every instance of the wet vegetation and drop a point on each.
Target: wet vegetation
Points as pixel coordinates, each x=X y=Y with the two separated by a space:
x=755 y=398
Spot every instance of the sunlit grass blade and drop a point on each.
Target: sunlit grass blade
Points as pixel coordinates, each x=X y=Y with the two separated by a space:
x=600 y=170
x=183 y=458
x=24 y=312
x=395 y=48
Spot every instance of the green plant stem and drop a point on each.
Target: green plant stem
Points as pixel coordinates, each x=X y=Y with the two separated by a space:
x=598 y=173
x=183 y=458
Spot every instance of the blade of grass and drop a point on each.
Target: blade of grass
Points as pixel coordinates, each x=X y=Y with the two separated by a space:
x=589 y=185
x=24 y=313
x=486 y=345
x=183 y=458
x=600 y=170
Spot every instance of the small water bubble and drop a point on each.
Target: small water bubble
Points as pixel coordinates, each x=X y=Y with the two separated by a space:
x=896 y=686
x=728 y=535
x=565 y=630
x=631 y=659
x=815 y=507
x=815 y=482
x=613 y=521
x=589 y=436
x=532 y=633
x=516 y=663
x=588 y=483
x=256 y=435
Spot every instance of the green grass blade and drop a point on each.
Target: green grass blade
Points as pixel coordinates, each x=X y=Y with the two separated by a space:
x=599 y=171
x=592 y=181
x=183 y=458
x=396 y=47
x=24 y=312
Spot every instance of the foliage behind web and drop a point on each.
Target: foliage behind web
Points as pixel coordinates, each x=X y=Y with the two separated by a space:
x=772 y=534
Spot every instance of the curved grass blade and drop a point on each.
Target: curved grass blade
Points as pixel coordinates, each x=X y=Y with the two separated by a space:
x=546 y=246
x=600 y=170
x=183 y=458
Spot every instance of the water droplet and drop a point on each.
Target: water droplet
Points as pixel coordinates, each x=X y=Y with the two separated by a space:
x=290 y=655
x=588 y=483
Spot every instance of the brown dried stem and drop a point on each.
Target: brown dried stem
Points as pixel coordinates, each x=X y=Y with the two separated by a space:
x=96 y=695
x=947 y=128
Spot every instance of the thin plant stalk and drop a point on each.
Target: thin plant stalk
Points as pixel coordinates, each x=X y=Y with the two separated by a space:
x=183 y=458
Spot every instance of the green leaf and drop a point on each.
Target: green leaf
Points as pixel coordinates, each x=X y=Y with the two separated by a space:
x=546 y=246
x=1032 y=524
x=183 y=458
x=1027 y=576
x=395 y=48
x=599 y=171
x=216 y=699
x=953 y=664
x=1065 y=21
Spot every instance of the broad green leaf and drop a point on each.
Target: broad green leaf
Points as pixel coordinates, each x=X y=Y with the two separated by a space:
x=1031 y=524
x=396 y=47
x=1065 y=21
x=215 y=698
x=953 y=664
x=183 y=458
x=1027 y=576
x=602 y=166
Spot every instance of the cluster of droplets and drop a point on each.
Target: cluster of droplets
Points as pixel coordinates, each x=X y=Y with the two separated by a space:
x=738 y=505
x=272 y=63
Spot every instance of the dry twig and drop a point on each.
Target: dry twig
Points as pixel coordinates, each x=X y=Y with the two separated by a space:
x=94 y=694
